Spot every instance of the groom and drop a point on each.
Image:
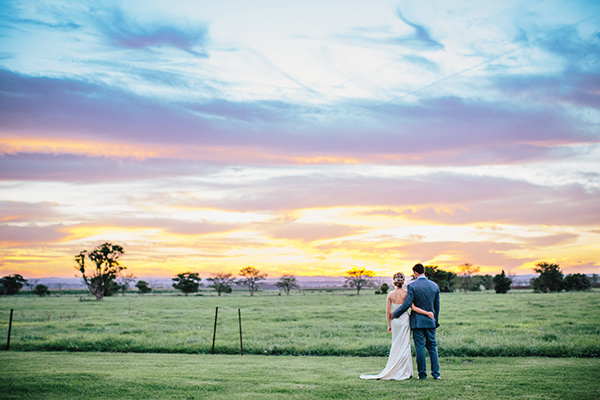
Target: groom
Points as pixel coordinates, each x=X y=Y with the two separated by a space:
x=426 y=295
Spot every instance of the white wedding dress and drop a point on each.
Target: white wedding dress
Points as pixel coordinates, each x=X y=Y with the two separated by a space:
x=399 y=365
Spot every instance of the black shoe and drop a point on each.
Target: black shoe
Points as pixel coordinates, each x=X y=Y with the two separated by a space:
x=438 y=378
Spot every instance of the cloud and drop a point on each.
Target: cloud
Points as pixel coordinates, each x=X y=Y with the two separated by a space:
x=422 y=62
x=566 y=42
x=88 y=169
x=21 y=211
x=19 y=235
x=571 y=88
x=476 y=253
x=172 y=225
x=421 y=37
x=434 y=198
x=552 y=240
x=443 y=131
x=124 y=31
x=313 y=232
x=446 y=254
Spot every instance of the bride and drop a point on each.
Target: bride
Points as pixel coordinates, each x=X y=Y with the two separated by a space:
x=399 y=365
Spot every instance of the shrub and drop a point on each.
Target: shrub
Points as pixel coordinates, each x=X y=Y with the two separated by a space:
x=501 y=283
x=445 y=280
x=577 y=282
x=550 y=279
x=41 y=290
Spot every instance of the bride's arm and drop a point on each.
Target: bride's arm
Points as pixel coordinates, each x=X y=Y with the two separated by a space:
x=388 y=313
x=421 y=311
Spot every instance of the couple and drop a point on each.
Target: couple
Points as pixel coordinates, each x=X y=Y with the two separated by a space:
x=423 y=297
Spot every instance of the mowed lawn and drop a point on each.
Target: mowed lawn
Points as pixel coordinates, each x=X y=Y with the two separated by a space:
x=320 y=323
x=62 y=375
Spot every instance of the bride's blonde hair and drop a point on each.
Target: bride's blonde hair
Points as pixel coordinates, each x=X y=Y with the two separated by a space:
x=399 y=279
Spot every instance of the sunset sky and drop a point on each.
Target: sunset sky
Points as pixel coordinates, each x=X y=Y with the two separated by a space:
x=300 y=137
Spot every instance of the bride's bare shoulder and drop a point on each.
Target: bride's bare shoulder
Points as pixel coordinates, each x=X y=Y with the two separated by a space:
x=397 y=296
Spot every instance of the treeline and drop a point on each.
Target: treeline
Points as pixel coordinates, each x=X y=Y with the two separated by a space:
x=103 y=275
x=250 y=277
x=551 y=279
x=467 y=280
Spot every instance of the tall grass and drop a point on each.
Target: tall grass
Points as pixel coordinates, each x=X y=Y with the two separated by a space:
x=333 y=324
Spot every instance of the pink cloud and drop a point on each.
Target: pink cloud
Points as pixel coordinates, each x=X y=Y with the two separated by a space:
x=313 y=232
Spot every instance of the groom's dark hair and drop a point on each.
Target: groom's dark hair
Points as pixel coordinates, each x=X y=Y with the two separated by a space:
x=419 y=269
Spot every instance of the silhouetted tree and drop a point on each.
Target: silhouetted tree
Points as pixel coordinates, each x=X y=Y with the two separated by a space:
x=501 y=283
x=251 y=277
x=221 y=282
x=100 y=278
x=287 y=283
x=11 y=284
x=446 y=280
x=187 y=282
x=577 y=282
x=143 y=287
x=359 y=277
x=41 y=290
x=550 y=279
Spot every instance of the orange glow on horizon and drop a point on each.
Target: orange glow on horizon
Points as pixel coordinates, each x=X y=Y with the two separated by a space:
x=143 y=151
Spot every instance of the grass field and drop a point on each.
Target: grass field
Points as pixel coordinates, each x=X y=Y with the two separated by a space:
x=50 y=375
x=340 y=324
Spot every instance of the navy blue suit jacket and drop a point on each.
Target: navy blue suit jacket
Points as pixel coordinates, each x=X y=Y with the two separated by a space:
x=424 y=294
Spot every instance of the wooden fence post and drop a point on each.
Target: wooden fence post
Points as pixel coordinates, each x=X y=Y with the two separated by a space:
x=215 y=330
x=9 y=329
x=241 y=345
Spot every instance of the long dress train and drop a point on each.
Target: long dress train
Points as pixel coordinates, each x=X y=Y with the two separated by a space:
x=399 y=365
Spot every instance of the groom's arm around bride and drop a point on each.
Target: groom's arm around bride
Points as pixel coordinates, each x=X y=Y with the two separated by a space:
x=424 y=294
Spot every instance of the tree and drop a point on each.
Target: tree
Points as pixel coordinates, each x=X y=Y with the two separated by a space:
x=466 y=279
x=41 y=290
x=487 y=281
x=383 y=289
x=11 y=284
x=100 y=278
x=252 y=278
x=501 y=283
x=187 y=282
x=359 y=277
x=446 y=280
x=287 y=283
x=577 y=282
x=143 y=287
x=221 y=282
x=124 y=281
x=550 y=279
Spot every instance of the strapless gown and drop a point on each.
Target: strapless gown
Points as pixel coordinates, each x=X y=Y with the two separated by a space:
x=399 y=365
